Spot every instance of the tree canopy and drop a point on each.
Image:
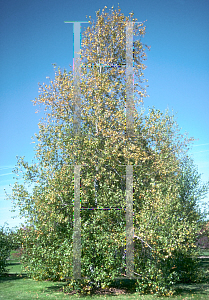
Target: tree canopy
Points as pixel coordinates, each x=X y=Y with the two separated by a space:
x=165 y=207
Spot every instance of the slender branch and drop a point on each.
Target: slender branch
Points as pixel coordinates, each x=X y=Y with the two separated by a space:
x=137 y=274
x=136 y=236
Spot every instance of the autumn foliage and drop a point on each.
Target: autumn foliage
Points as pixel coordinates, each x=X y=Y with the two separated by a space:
x=164 y=237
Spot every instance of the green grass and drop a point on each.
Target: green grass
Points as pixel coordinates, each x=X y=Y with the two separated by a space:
x=15 y=285
x=205 y=252
x=13 y=265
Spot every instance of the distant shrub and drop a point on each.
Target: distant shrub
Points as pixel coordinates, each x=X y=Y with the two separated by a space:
x=203 y=238
x=5 y=248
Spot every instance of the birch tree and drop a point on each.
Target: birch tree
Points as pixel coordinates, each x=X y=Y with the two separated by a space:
x=103 y=148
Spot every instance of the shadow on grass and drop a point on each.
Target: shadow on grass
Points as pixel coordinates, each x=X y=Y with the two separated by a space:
x=204 y=262
x=117 y=287
x=200 y=288
x=127 y=287
x=124 y=283
x=9 y=277
x=56 y=288
x=13 y=264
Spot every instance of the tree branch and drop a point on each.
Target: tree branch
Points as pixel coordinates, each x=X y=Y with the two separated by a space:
x=135 y=236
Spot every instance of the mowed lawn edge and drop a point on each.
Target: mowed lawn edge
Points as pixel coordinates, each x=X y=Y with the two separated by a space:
x=16 y=285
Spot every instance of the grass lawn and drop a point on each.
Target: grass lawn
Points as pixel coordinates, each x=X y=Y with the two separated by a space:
x=16 y=285
x=205 y=252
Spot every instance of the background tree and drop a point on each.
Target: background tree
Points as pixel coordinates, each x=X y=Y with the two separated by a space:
x=4 y=250
x=156 y=149
x=192 y=191
x=203 y=236
x=8 y=242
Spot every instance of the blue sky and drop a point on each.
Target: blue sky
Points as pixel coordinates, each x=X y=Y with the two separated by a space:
x=33 y=36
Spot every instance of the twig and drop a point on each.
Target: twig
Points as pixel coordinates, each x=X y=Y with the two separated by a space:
x=137 y=274
x=135 y=236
